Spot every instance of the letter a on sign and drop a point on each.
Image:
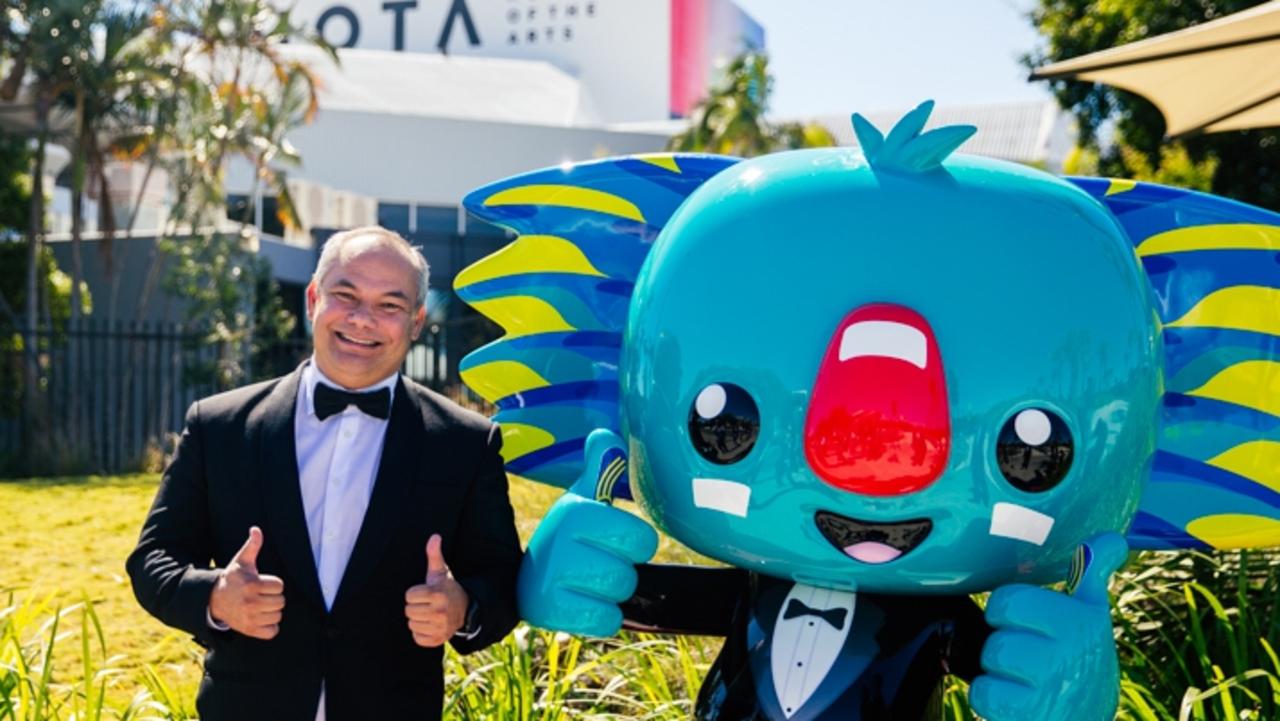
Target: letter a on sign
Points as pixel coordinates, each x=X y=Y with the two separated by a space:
x=456 y=10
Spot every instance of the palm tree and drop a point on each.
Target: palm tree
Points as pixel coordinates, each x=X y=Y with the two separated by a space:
x=43 y=48
x=731 y=119
x=102 y=99
x=240 y=95
x=109 y=101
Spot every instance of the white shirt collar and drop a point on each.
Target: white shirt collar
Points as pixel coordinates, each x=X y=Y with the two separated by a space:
x=311 y=375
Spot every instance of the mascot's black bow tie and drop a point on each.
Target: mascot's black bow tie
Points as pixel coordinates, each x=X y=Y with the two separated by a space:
x=833 y=616
x=331 y=401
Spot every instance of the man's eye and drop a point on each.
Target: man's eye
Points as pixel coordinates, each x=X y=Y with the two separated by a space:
x=392 y=307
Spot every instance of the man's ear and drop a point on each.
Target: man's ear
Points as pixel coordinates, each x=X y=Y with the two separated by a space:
x=313 y=297
x=419 y=320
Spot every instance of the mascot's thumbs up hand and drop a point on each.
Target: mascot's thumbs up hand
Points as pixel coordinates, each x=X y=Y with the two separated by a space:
x=581 y=560
x=1052 y=656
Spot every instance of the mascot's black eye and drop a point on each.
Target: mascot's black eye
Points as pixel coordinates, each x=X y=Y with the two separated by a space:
x=724 y=423
x=1034 y=450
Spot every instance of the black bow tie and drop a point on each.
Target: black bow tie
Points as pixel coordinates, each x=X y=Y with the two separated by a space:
x=833 y=616
x=331 y=401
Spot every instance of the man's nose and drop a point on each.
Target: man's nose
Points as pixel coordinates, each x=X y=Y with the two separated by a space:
x=361 y=314
x=878 y=422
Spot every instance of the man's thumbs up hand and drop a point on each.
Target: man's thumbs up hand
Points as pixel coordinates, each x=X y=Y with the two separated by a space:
x=250 y=603
x=437 y=608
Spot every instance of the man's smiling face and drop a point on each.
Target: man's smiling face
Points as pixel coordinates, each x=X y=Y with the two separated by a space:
x=365 y=313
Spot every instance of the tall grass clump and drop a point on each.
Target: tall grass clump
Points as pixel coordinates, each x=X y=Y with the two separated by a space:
x=1197 y=636
x=535 y=675
x=37 y=684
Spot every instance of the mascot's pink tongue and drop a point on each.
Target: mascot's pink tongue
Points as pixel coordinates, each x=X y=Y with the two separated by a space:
x=872 y=552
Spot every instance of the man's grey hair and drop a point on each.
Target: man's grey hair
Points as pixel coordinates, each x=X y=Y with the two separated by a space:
x=333 y=248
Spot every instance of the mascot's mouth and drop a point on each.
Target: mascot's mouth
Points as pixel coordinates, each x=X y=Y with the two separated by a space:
x=872 y=542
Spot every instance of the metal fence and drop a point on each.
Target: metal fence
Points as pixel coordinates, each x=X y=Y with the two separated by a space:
x=107 y=398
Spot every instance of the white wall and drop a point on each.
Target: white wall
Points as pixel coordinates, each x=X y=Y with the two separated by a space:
x=620 y=49
x=436 y=160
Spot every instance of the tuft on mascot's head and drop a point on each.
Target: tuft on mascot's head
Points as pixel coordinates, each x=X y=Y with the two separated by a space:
x=871 y=382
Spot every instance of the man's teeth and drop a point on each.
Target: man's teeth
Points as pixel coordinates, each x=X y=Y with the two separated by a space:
x=887 y=339
x=349 y=339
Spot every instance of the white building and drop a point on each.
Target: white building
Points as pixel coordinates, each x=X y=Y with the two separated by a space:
x=405 y=130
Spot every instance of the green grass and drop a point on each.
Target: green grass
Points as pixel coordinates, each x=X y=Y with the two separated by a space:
x=1197 y=633
x=67 y=539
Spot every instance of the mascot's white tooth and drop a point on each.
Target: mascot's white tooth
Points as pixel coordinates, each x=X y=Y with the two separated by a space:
x=1013 y=521
x=884 y=338
x=719 y=495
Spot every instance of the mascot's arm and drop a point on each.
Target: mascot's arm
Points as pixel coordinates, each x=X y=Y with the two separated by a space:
x=1051 y=655
x=696 y=600
x=581 y=561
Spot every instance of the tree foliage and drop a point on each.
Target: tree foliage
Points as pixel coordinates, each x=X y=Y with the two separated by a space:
x=182 y=86
x=731 y=119
x=233 y=94
x=15 y=186
x=1247 y=163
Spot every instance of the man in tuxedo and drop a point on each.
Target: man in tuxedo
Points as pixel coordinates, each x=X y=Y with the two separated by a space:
x=377 y=508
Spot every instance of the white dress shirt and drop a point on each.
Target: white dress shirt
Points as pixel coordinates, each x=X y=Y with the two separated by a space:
x=337 y=462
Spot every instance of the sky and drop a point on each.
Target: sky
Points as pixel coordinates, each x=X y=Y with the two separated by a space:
x=840 y=56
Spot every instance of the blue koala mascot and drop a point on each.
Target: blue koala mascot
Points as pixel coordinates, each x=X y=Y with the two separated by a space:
x=872 y=382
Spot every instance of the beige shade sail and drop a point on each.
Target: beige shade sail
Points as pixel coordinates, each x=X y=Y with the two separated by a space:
x=1222 y=75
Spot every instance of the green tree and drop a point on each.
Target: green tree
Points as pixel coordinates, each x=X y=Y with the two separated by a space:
x=42 y=43
x=731 y=119
x=15 y=188
x=55 y=287
x=109 y=102
x=1247 y=163
x=238 y=96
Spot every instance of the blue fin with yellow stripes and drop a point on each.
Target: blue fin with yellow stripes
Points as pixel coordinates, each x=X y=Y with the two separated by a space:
x=561 y=292
x=1214 y=265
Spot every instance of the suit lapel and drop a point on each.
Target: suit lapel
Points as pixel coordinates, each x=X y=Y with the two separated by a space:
x=277 y=456
x=402 y=450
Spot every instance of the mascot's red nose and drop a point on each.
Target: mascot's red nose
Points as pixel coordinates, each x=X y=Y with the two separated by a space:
x=878 y=422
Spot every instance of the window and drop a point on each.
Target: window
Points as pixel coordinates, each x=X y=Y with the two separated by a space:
x=271 y=224
x=438 y=220
x=394 y=216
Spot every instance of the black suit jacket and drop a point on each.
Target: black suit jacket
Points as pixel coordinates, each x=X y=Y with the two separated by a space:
x=236 y=467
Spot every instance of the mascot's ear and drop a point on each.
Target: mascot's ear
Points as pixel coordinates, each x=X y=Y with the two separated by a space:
x=561 y=292
x=1214 y=266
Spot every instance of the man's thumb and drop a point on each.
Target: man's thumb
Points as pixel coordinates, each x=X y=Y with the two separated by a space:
x=436 y=566
x=248 y=553
x=1091 y=568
